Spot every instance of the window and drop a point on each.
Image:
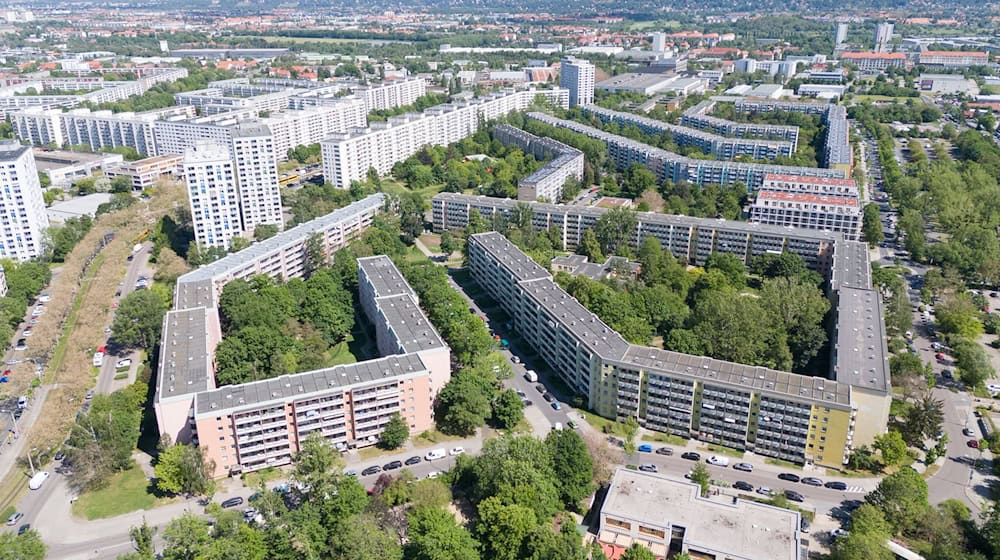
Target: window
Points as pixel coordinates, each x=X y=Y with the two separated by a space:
x=612 y=522
x=658 y=533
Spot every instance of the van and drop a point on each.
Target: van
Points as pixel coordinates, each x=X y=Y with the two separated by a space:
x=36 y=481
x=531 y=376
x=98 y=359
x=435 y=454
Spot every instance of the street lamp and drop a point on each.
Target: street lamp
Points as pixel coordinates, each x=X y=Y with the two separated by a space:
x=30 y=462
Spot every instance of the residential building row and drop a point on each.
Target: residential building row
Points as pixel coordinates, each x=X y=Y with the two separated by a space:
x=719 y=146
x=547 y=183
x=954 y=59
x=23 y=220
x=260 y=424
x=347 y=156
x=386 y=95
x=840 y=214
x=837 y=151
x=699 y=117
x=874 y=61
x=100 y=91
x=97 y=129
x=668 y=166
x=787 y=416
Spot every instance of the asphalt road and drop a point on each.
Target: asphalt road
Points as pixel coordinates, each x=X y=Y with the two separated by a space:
x=138 y=266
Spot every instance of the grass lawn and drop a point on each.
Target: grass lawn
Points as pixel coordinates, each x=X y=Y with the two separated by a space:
x=432 y=437
x=782 y=463
x=720 y=450
x=878 y=98
x=432 y=241
x=256 y=478
x=339 y=354
x=659 y=437
x=126 y=492
x=121 y=376
x=7 y=512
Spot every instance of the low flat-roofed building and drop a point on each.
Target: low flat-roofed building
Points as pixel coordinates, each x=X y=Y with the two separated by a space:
x=947 y=84
x=954 y=59
x=646 y=84
x=145 y=173
x=667 y=515
x=75 y=207
x=64 y=167
x=823 y=91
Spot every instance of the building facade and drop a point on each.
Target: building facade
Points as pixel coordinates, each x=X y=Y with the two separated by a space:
x=212 y=194
x=348 y=156
x=546 y=183
x=883 y=36
x=954 y=59
x=144 y=173
x=256 y=167
x=577 y=76
x=21 y=204
x=874 y=61
x=841 y=214
x=698 y=117
x=772 y=413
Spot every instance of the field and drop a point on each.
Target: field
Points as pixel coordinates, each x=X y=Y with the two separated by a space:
x=126 y=491
x=332 y=40
x=654 y=25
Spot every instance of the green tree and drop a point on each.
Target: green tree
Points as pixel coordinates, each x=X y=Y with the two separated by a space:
x=503 y=528
x=630 y=429
x=186 y=538
x=973 y=364
x=871 y=225
x=434 y=535
x=701 y=477
x=891 y=446
x=142 y=540
x=638 y=552
x=508 y=409
x=28 y=546
x=183 y=469
x=395 y=433
x=730 y=266
x=462 y=406
x=902 y=498
x=448 y=245
x=364 y=539
x=615 y=229
x=867 y=538
x=572 y=464
x=590 y=247
x=315 y=255
x=138 y=319
x=265 y=231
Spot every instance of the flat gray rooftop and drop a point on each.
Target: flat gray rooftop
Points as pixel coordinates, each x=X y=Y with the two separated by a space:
x=10 y=151
x=194 y=293
x=287 y=238
x=513 y=259
x=861 y=355
x=288 y=387
x=577 y=319
x=739 y=376
x=386 y=279
x=407 y=321
x=851 y=265
x=737 y=529
x=184 y=353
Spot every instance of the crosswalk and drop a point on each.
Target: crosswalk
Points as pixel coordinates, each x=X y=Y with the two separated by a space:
x=855 y=490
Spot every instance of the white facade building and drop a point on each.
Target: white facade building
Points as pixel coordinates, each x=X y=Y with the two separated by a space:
x=256 y=176
x=883 y=36
x=840 y=37
x=212 y=193
x=578 y=77
x=21 y=204
x=348 y=156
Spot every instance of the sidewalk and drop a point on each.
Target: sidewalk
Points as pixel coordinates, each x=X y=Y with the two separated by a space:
x=11 y=449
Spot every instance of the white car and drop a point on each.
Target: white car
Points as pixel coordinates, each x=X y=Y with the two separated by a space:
x=432 y=474
x=718 y=461
x=127 y=362
x=838 y=532
x=36 y=481
x=456 y=451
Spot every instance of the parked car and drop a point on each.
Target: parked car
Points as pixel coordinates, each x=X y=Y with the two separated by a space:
x=38 y=480
x=22 y=344
x=794 y=496
x=26 y=333
x=836 y=485
x=374 y=469
x=803 y=525
x=540 y=388
x=127 y=362
x=392 y=465
x=789 y=477
x=456 y=451
x=14 y=518
x=24 y=528
x=838 y=532
x=232 y=502
x=691 y=456
x=664 y=451
x=556 y=405
x=973 y=443
x=548 y=397
x=648 y=467
x=412 y=460
x=745 y=467
x=645 y=448
x=967 y=432
x=765 y=491
x=572 y=425
x=60 y=455
x=718 y=461
x=89 y=395
x=744 y=486
x=812 y=481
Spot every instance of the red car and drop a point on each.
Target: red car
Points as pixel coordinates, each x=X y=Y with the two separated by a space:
x=973 y=443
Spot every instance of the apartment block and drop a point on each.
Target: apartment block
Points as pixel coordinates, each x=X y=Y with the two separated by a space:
x=668 y=166
x=577 y=76
x=698 y=117
x=215 y=100
x=719 y=146
x=348 y=156
x=386 y=95
x=811 y=185
x=840 y=214
x=883 y=36
x=260 y=424
x=837 y=152
x=546 y=183
x=312 y=125
x=256 y=167
x=144 y=173
x=874 y=61
x=22 y=206
x=954 y=59
x=773 y=413
x=40 y=126
x=212 y=194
